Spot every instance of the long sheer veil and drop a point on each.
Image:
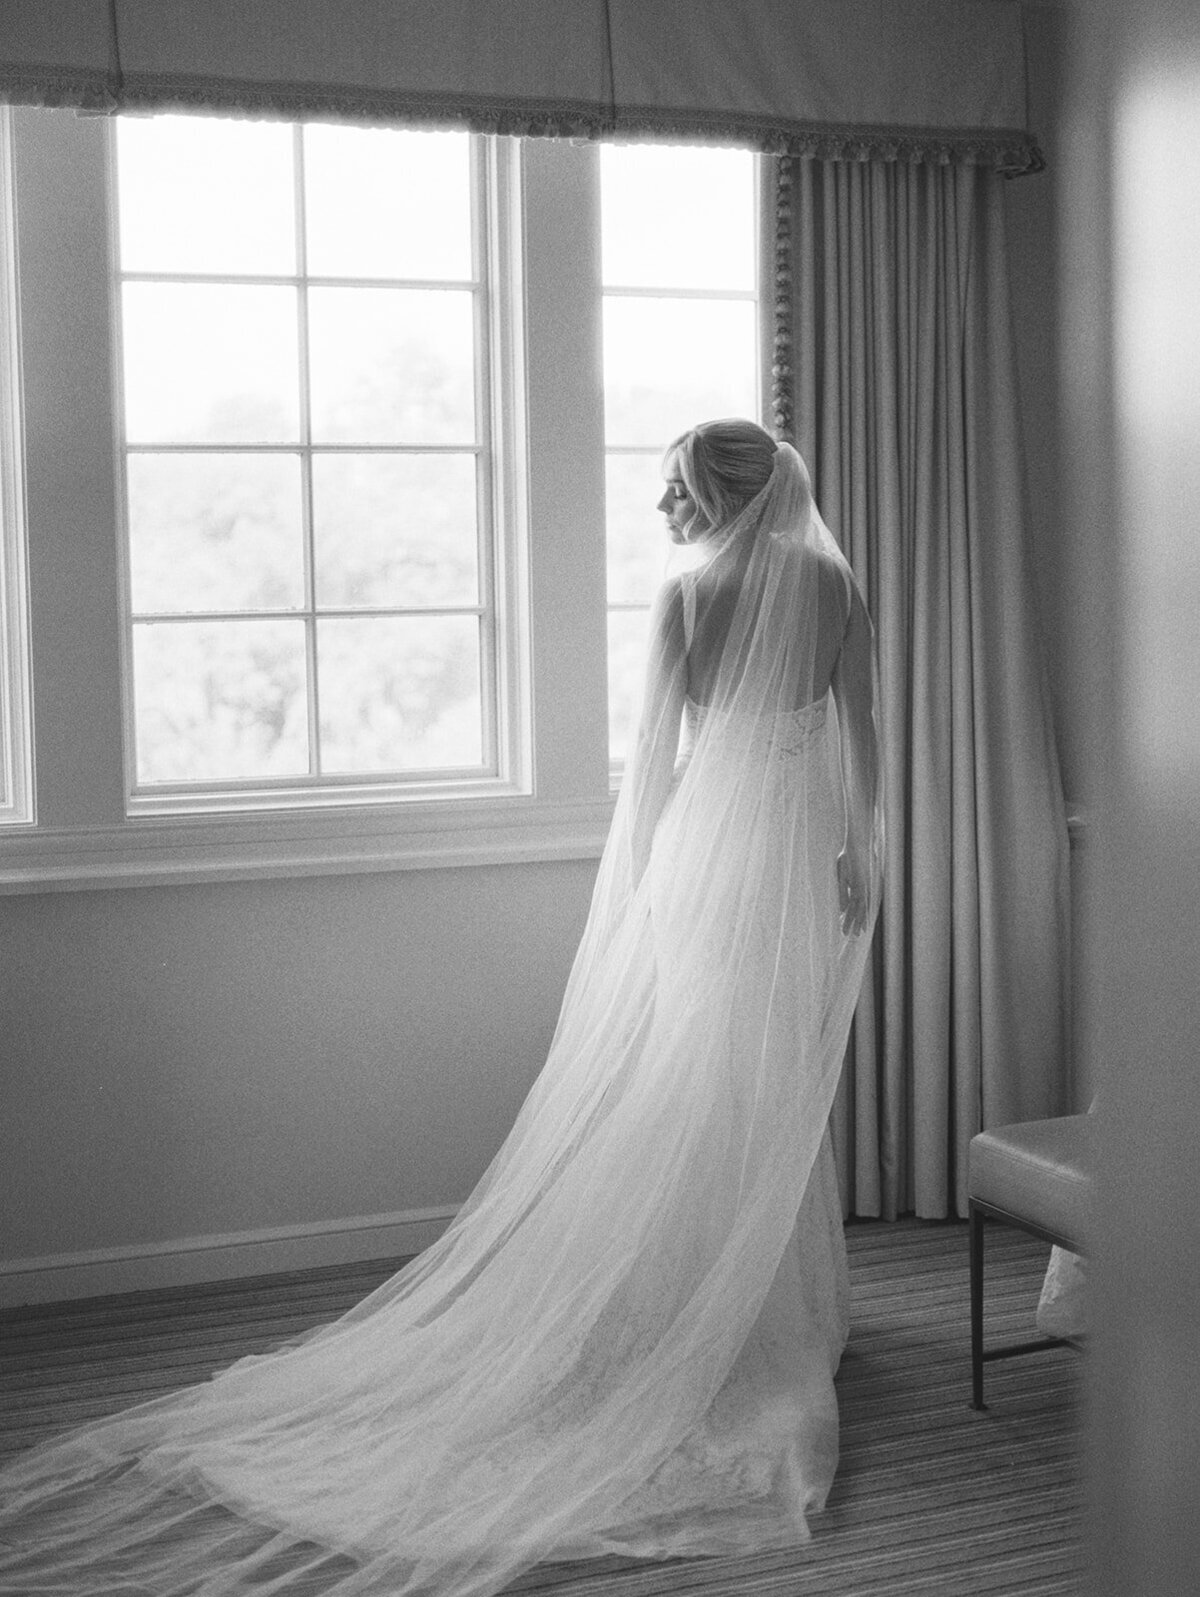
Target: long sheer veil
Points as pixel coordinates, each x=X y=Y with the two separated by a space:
x=508 y=1396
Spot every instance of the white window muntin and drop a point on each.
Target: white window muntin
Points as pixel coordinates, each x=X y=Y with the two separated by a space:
x=496 y=451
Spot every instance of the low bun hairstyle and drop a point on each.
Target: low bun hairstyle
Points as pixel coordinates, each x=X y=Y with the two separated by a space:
x=724 y=465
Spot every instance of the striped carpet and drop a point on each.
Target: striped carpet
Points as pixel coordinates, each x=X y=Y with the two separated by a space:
x=930 y=1497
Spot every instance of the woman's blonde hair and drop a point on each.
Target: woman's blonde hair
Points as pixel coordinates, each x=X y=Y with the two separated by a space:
x=723 y=465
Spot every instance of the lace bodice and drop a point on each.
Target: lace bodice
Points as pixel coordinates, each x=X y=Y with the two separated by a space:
x=786 y=736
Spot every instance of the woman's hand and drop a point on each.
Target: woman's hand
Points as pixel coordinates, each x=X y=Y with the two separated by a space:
x=852 y=876
x=854 y=694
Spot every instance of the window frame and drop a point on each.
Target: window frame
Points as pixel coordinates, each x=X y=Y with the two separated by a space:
x=551 y=556
x=505 y=766
x=17 y=796
x=662 y=289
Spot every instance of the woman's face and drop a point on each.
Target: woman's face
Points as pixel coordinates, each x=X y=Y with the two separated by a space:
x=685 y=521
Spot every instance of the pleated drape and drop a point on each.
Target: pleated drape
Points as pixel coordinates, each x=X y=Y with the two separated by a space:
x=896 y=377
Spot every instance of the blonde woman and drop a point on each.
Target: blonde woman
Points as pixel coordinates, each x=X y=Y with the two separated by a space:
x=626 y=1341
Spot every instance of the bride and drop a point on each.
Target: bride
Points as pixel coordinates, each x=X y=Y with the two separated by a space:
x=626 y=1341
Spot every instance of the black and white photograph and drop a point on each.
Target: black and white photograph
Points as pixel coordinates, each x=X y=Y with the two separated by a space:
x=599 y=798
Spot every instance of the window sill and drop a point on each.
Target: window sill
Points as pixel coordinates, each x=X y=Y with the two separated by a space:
x=163 y=851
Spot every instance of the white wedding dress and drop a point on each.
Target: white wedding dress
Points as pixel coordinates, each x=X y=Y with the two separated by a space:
x=626 y=1341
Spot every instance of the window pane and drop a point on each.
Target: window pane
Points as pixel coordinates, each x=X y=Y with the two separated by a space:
x=627 y=630
x=400 y=693
x=308 y=447
x=395 y=530
x=217 y=700
x=210 y=363
x=215 y=532
x=382 y=203
x=16 y=721
x=670 y=363
x=205 y=194
x=677 y=218
x=637 y=536
x=392 y=366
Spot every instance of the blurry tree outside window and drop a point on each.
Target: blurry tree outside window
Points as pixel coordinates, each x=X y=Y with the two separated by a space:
x=306 y=452
x=679 y=272
x=307 y=439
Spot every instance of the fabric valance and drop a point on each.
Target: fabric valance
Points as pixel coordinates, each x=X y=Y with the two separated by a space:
x=902 y=79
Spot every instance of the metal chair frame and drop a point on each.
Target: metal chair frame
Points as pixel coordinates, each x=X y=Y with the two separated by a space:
x=978 y=1211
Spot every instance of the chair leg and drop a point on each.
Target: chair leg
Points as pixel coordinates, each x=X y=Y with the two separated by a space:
x=976 y=1237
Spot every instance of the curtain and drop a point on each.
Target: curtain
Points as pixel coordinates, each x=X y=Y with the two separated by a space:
x=895 y=375
x=886 y=76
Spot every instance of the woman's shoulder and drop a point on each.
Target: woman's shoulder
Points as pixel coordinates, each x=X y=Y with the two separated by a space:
x=835 y=583
x=670 y=598
x=833 y=567
x=669 y=612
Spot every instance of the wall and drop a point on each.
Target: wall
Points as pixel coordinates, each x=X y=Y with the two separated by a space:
x=1060 y=540
x=299 y=1071
x=1034 y=214
x=204 y=1080
x=213 y=1060
x=1131 y=408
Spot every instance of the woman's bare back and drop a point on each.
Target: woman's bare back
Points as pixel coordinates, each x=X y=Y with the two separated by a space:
x=716 y=590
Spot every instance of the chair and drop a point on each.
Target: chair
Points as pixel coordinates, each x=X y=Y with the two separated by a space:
x=1036 y=1175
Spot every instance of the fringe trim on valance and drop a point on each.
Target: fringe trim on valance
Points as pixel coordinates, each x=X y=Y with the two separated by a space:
x=1011 y=151
x=782 y=387
x=783 y=406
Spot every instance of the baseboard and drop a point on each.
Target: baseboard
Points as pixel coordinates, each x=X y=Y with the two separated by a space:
x=188 y=1260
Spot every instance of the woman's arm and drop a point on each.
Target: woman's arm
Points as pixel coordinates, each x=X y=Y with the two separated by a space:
x=853 y=693
x=652 y=760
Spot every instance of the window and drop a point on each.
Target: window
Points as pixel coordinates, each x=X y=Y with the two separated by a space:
x=16 y=776
x=306 y=339
x=316 y=503
x=679 y=272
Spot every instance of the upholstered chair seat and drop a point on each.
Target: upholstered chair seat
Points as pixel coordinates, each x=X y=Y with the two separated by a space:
x=1036 y=1175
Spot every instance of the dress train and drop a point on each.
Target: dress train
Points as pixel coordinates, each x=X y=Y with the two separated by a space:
x=626 y=1340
